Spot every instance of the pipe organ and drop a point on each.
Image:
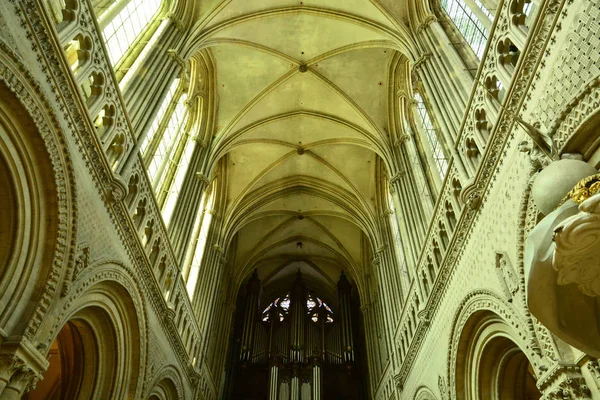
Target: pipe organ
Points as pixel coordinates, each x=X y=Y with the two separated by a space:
x=295 y=348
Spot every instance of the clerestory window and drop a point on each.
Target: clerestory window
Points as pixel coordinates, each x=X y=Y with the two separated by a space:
x=122 y=31
x=432 y=137
x=202 y=226
x=467 y=24
x=171 y=135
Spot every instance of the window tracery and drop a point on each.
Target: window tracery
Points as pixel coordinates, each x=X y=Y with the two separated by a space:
x=315 y=307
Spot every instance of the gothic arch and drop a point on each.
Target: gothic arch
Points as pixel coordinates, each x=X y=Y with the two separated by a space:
x=104 y=310
x=488 y=359
x=38 y=198
x=167 y=385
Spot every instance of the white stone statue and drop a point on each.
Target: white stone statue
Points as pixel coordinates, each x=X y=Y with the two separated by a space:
x=562 y=262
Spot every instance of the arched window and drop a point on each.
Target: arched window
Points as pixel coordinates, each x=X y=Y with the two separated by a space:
x=160 y=115
x=175 y=186
x=397 y=238
x=201 y=235
x=122 y=31
x=467 y=23
x=131 y=71
x=171 y=136
x=432 y=137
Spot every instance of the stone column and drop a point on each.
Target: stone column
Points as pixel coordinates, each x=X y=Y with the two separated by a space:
x=16 y=377
x=20 y=383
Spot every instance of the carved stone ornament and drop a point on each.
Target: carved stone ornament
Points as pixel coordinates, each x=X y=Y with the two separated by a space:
x=568 y=383
x=443 y=386
x=577 y=239
x=563 y=249
x=507 y=276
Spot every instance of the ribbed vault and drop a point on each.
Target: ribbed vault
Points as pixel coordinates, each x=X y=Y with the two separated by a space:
x=302 y=89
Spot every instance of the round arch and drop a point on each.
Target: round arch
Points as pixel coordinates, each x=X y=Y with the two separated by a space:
x=167 y=385
x=37 y=204
x=488 y=360
x=99 y=345
x=424 y=393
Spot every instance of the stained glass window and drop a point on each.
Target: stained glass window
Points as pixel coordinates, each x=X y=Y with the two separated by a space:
x=431 y=135
x=467 y=24
x=282 y=306
x=126 y=26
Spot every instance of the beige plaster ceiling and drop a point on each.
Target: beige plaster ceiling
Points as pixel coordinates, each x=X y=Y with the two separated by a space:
x=302 y=90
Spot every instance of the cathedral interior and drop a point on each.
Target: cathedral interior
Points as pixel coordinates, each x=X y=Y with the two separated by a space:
x=299 y=199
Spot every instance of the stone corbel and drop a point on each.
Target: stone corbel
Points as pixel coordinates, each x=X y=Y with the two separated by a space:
x=401 y=139
x=471 y=196
x=399 y=175
x=422 y=60
x=178 y=59
x=430 y=19
x=203 y=178
x=117 y=190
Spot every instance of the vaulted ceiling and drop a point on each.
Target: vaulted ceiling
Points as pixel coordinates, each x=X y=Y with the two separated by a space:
x=302 y=114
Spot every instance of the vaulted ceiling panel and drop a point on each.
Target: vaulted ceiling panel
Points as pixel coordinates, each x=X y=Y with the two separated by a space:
x=369 y=10
x=370 y=91
x=302 y=113
x=308 y=166
x=301 y=34
x=303 y=91
x=242 y=72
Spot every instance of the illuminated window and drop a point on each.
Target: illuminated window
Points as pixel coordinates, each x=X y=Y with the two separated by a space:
x=159 y=116
x=285 y=303
x=131 y=71
x=200 y=245
x=431 y=135
x=397 y=238
x=126 y=26
x=167 y=143
x=485 y=10
x=173 y=194
x=467 y=24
